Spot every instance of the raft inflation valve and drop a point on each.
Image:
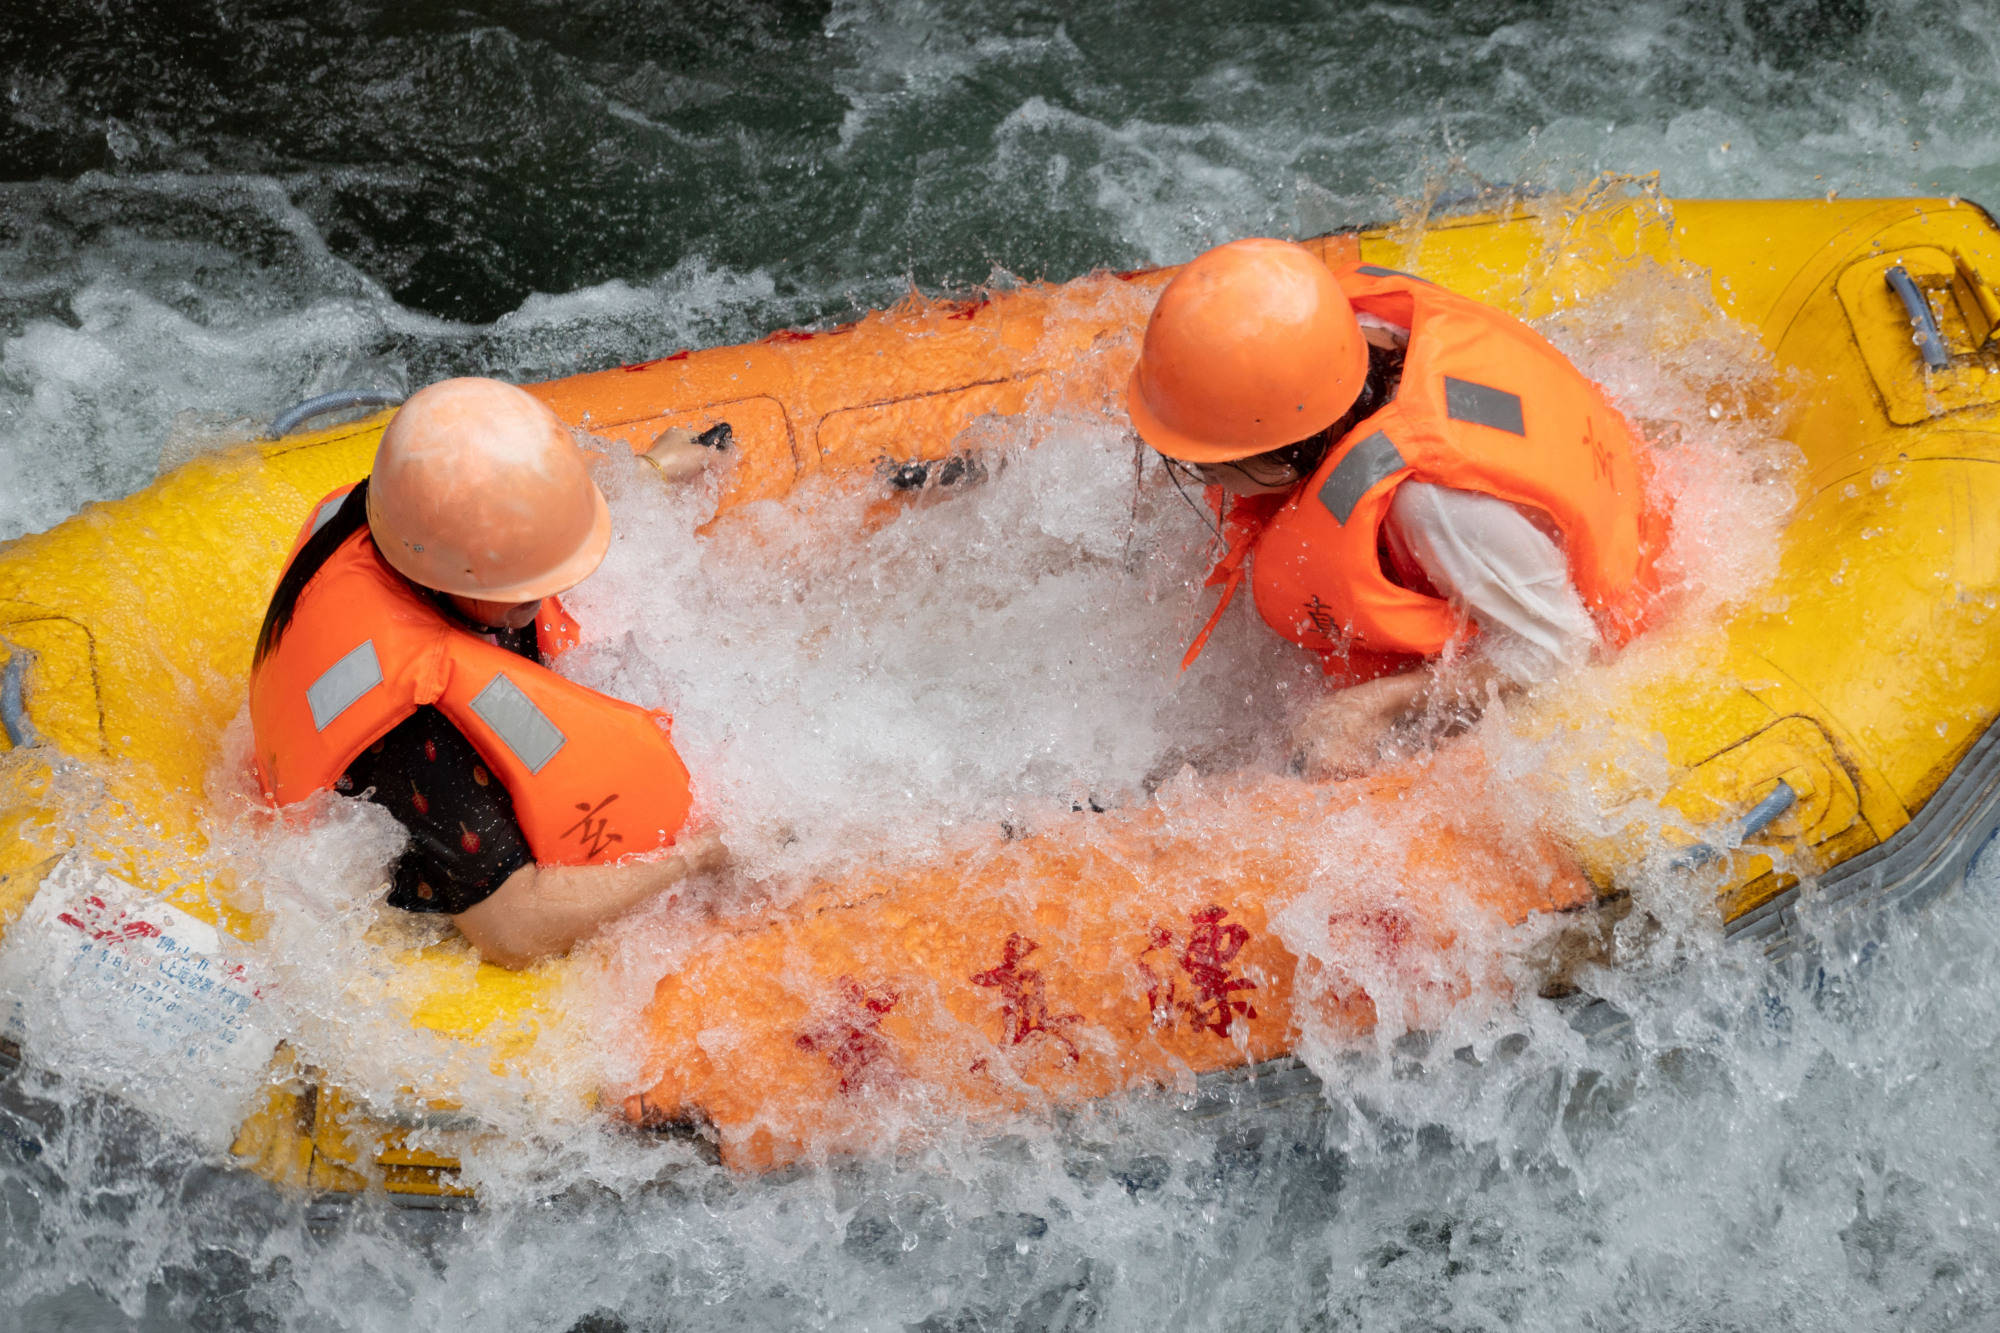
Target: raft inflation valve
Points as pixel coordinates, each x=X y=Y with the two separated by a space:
x=340 y=401
x=1762 y=815
x=1923 y=320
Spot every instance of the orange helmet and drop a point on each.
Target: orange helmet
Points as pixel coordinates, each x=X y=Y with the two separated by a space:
x=1252 y=347
x=479 y=490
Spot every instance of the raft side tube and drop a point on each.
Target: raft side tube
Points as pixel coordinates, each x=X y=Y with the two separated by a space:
x=120 y=676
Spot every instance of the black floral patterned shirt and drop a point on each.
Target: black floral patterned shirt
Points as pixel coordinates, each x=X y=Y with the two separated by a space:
x=464 y=838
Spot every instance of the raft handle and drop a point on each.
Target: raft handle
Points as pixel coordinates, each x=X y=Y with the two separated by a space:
x=1923 y=320
x=340 y=400
x=1762 y=815
x=13 y=707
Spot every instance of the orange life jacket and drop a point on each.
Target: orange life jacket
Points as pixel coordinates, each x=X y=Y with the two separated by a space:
x=1485 y=405
x=592 y=779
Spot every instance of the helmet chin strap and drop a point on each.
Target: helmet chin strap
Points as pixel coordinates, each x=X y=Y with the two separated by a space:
x=1175 y=469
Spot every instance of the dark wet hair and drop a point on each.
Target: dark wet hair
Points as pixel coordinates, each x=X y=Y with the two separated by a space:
x=350 y=518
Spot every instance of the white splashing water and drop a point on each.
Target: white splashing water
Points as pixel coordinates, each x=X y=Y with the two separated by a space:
x=854 y=678
x=1767 y=1150
x=849 y=678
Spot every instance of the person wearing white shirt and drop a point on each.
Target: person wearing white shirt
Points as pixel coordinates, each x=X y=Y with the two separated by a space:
x=1503 y=568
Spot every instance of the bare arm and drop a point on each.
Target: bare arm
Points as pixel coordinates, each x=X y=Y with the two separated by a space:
x=1343 y=734
x=1501 y=572
x=542 y=911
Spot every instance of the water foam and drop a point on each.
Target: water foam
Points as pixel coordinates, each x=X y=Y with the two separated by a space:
x=1766 y=1151
x=152 y=318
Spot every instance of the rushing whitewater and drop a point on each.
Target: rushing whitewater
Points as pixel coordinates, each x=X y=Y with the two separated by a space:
x=1759 y=1149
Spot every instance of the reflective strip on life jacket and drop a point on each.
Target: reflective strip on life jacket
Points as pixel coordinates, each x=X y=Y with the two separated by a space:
x=521 y=727
x=324 y=514
x=1377 y=271
x=341 y=685
x=1483 y=405
x=1365 y=465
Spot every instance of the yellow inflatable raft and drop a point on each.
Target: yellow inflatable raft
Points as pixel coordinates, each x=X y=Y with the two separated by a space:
x=1832 y=743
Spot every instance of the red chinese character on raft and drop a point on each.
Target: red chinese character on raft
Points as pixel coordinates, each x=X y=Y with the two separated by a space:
x=1386 y=930
x=1024 y=1003
x=851 y=1043
x=1205 y=959
x=101 y=921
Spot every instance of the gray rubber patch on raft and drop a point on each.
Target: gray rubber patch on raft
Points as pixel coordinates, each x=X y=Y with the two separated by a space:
x=521 y=727
x=342 y=683
x=1483 y=405
x=1376 y=271
x=1366 y=464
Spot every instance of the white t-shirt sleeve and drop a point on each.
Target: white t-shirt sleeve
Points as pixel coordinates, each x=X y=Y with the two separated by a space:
x=1509 y=576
